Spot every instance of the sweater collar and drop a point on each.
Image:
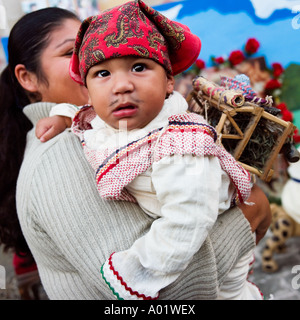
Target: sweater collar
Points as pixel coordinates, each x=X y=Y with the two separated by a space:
x=36 y=111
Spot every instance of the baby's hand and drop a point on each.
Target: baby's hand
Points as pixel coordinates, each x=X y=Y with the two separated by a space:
x=48 y=128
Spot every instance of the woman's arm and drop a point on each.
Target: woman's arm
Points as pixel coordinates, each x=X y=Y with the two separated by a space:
x=258 y=214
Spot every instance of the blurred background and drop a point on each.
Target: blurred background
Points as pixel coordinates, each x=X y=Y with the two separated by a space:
x=259 y=38
x=224 y=28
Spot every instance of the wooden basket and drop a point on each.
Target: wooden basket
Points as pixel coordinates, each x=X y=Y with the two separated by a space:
x=251 y=134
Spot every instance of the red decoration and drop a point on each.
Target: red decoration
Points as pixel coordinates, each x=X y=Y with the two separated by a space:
x=277 y=69
x=200 y=64
x=272 y=84
x=219 y=60
x=252 y=46
x=296 y=136
x=236 y=57
x=282 y=106
x=287 y=115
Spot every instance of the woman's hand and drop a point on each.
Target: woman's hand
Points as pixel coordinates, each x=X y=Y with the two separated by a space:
x=48 y=128
x=259 y=214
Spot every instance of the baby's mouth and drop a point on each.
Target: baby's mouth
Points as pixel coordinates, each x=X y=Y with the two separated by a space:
x=125 y=110
x=125 y=107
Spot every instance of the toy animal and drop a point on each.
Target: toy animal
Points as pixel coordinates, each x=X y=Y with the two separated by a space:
x=283 y=227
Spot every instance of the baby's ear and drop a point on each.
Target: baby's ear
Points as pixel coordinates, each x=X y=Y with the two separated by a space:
x=170 y=84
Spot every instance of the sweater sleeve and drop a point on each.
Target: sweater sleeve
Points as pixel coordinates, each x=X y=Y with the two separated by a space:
x=192 y=192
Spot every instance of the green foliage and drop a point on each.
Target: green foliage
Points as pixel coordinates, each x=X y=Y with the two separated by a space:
x=291 y=87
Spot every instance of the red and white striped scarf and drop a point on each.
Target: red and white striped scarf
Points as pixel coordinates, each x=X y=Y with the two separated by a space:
x=185 y=134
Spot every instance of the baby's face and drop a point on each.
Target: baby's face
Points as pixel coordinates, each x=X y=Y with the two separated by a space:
x=129 y=89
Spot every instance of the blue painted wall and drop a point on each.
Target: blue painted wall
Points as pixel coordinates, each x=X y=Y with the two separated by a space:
x=224 y=26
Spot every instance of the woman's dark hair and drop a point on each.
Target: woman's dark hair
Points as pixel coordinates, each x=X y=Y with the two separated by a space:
x=27 y=40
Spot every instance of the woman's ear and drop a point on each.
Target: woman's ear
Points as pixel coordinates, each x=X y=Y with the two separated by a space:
x=27 y=80
x=89 y=100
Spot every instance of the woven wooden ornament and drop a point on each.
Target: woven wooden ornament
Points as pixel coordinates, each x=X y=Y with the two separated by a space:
x=247 y=125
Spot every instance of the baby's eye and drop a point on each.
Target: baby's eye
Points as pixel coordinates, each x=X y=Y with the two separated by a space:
x=103 y=73
x=139 y=67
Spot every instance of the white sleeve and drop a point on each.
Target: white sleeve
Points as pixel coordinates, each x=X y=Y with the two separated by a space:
x=192 y=191
x=189 y=190
x=64 y=109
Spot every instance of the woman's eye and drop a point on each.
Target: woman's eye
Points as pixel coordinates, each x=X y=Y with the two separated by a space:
x=69 y=53
x=103 y=73
x=139 y=67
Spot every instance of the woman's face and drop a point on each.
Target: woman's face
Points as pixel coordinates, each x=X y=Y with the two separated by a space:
x=55 y=61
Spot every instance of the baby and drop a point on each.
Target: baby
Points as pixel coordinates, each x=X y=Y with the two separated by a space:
x=144 y=146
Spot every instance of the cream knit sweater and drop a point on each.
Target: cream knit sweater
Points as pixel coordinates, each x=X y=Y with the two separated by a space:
x=71 y=230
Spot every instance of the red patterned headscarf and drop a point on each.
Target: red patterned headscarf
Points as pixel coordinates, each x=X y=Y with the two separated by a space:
x=133 y=29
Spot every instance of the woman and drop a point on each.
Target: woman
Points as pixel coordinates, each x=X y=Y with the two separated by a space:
x=69 y=229
x=25 y=48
